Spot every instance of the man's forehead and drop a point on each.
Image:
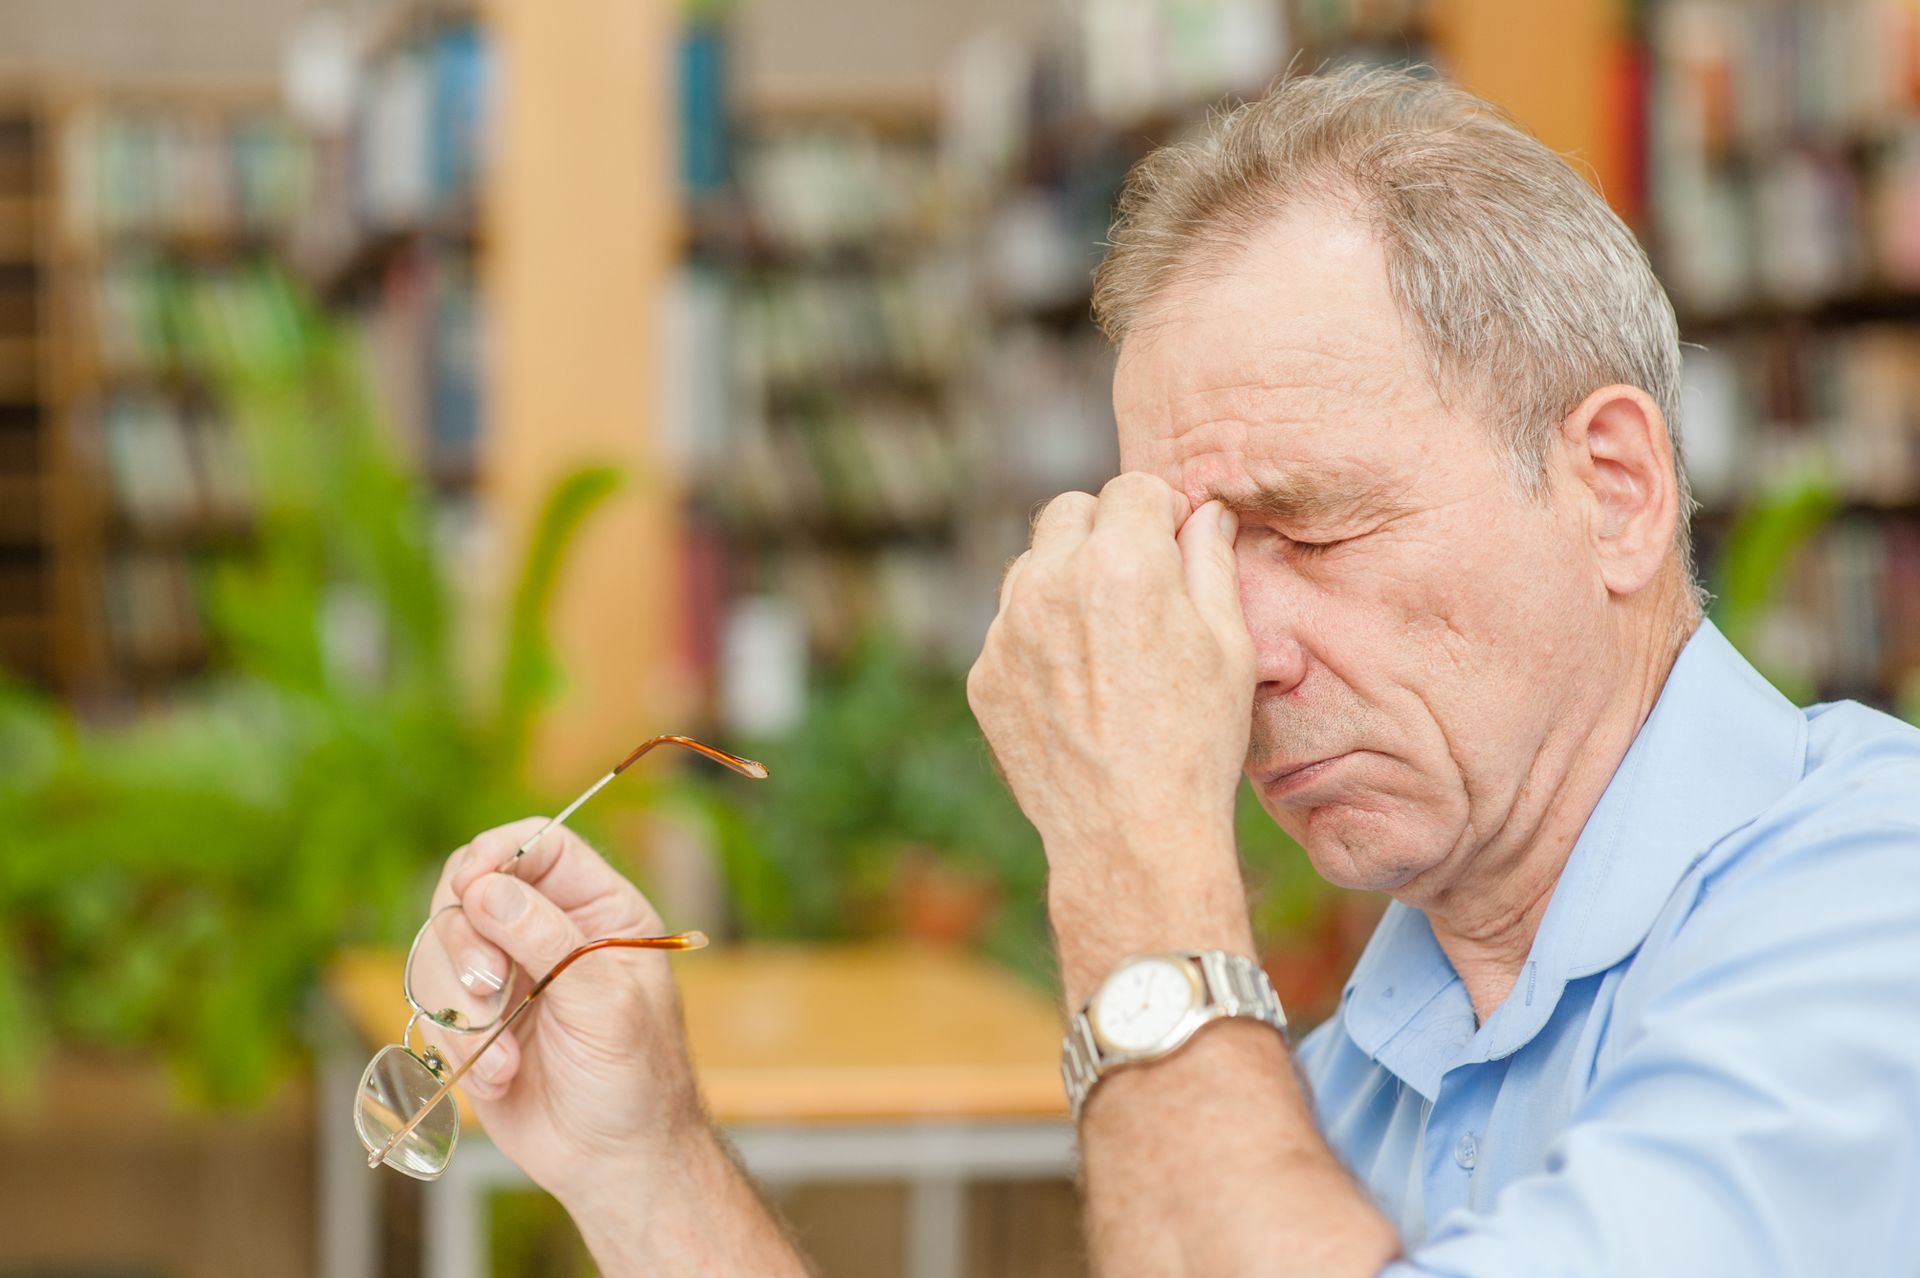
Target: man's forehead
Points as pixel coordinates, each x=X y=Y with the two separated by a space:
x=1292 y=417
x=1280 y=377
x=1183 y=380
x=1224 y=348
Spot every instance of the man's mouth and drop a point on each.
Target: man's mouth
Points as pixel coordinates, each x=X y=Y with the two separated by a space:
x=1288 y=777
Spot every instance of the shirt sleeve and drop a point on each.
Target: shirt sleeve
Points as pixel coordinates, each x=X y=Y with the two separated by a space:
x=1757 y=1108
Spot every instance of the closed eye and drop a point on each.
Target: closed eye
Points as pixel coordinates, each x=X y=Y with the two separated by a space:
x=1295 y=546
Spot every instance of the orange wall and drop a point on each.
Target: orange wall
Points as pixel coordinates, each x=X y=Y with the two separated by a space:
x=580 y=217
x=1554 y=64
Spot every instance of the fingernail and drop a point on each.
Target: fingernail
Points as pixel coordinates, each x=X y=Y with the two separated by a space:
x=478 y=972
x=489 y=1067
x=1229 y=523
x=504 y=900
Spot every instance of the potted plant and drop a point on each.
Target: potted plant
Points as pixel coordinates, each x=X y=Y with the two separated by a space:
x=174 y=886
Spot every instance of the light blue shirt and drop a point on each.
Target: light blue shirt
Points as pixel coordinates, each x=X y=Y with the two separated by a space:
x=1710 y=1063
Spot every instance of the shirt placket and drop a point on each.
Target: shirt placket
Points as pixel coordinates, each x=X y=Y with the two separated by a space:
x=1455 y=1139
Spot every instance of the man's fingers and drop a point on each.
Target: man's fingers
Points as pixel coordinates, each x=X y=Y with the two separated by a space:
x=493 y=1073
x=534 y=931
x=1062 y=524
x=1213 y=575
x=562 y=865
x=1058 y=527
x=1013 y=570
x=1137 y=500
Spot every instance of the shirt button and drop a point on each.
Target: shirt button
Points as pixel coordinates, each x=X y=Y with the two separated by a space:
x=1465 y=1152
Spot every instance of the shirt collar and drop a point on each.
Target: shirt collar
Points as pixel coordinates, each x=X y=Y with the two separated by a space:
x=1719 y=746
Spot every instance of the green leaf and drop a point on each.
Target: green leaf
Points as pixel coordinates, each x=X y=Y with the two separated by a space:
x=528 y=675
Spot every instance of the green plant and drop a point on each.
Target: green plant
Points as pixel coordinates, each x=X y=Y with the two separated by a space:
x=885 y=766
x=1760 y=547
x=175 y=886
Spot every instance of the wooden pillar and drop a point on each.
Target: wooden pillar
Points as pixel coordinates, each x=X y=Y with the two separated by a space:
x=580 y=214
x=1558 y=66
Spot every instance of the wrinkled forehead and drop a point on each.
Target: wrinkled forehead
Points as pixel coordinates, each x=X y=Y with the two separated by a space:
x=1288 y=356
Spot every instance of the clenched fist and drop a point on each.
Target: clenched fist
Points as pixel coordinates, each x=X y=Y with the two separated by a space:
x=1116 y=689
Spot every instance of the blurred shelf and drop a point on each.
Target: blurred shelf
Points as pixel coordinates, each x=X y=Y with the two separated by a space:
x=751 y=251
x=175 y=381
x=183 y=535
x=836 y=532
x=211 y=245
x=152 y=211
x=19 y=368
x=1849 y=508
x=24 y=648
x=19 y=228
x=788 y=392
x=900 y=115
x=21 y=517
x=1872 y=306
x=453 y=474
x=1068 y=310
x=407 y=23
x=373 y=253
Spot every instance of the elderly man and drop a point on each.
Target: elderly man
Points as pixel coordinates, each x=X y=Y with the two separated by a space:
x=1402 y=533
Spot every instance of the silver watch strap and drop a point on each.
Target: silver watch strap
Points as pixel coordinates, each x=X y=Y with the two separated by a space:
x=1234 y=987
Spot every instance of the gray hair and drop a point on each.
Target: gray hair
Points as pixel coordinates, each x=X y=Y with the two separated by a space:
x=1527 y=292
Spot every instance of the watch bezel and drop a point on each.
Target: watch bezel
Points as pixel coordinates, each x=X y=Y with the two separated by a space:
x=1113 y=1053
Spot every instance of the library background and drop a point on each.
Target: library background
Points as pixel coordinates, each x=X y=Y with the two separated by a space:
x=406 y=406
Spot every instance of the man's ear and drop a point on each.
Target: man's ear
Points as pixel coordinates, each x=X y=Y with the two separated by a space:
x=1622 y=460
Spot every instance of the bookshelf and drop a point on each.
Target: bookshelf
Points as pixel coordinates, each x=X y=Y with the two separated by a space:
x=163 y=212
x=830 y=460
x=502 y=255
x=135 y=224
x=394 y=239
x=1784 y=175
x=28 y=639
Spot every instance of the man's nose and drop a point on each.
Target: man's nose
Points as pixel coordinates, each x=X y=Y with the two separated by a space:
x=1275 y=615
x=1279 y=662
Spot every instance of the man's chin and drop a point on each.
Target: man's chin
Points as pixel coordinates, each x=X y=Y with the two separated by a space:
x=1351 y=847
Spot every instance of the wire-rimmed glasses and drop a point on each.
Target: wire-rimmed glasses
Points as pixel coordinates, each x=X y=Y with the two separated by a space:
x=458 y=982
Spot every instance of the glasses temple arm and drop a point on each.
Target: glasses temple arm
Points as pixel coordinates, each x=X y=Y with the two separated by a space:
x=744 y=766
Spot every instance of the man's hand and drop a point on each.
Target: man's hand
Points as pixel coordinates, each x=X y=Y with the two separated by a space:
x=598 y=1069
x=1116 y=688
x=591 y=1093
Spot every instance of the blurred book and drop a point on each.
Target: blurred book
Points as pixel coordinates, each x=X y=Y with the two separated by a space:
x=152 y=614
x=1785 y=150
x=173 y=468
x=820 y=332
x=1845 y=402
x=186 y=175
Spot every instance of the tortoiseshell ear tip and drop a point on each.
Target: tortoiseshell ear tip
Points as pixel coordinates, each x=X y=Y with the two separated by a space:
x=695 y=940
x=749 y=768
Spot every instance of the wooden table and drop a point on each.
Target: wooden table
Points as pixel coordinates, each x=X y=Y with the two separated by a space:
x=859 y=1062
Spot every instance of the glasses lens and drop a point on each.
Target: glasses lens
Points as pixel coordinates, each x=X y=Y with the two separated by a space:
x=392 y=1091
x=457 y=977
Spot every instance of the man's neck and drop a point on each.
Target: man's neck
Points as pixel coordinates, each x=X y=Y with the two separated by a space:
x=1486 y=918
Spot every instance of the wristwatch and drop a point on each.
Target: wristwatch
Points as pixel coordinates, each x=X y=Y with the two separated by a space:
x=1150 y=1005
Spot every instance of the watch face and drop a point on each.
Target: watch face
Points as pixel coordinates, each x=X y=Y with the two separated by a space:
x=1141 y=1003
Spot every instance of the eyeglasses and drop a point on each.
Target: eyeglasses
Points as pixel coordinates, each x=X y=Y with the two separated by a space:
x=459 y=982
